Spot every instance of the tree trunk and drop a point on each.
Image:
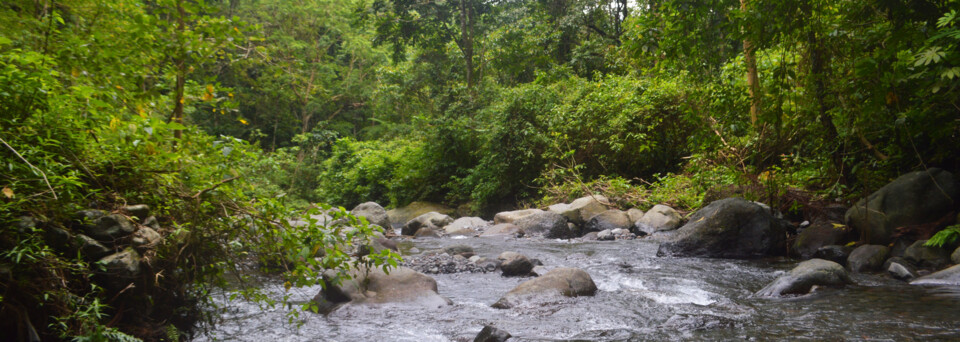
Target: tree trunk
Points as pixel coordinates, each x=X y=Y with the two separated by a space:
x=466 y=34
x=753 y=81
x=181 y=72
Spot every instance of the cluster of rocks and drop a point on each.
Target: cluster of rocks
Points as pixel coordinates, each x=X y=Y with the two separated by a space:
x=121 y=241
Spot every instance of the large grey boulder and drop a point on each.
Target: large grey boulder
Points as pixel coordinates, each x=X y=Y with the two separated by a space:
x=514 y=264
x=927 y=257
x=512 y=216
x=547 y=224
x=867 y=258
x=402 y=285
x=111 y=228
x=608 y=220
x=819 y=234
x=432 y=220
x=948 y=276
x=582 y=209
x=658 y=218
x=569 y=282
x=404 y=214
x=729 y=228
x=374 y=213
x=914 y=198
x=466 y=223
x=503 y=229
x=801 y=279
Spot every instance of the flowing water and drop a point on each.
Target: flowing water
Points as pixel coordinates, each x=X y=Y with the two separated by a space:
x=640 y=297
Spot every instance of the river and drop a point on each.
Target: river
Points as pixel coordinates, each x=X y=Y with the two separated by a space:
x=641 y=297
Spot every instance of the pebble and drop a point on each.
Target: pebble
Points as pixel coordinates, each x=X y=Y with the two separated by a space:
x=442 y=263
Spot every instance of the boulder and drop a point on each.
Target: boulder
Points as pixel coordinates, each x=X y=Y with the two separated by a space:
x=88 y=217
x=411 y=211
x=914 y=198
x=58 y=238
x=121 y=267
x=90 y=249
x=427 y=232
x=373 y=286
x=433 y=220
x=569 y=282
x=491 y=334
x=608 y=220
x=461 y=232
x=900 y=269
x=801 y=279
x=867 y=258
x=605 y=235
x=817 y=235
x=635 y=214
x=151 y=222
x=514 y=264
x=503 y=229
x=374 y=213
x=955 y=257
x=547 y=224
x=145 y=238
x=728 y=228
x=140 y=211
x=464 y=250
x=111 y=228
x=486 y=264
x=512 y=216
x=926 y=257
x=466 y=223
x=582 y=209
x=835 y=253
x=948 y=276
x=659 y=218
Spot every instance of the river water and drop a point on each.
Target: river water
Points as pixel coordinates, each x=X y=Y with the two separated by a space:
x=641 y=298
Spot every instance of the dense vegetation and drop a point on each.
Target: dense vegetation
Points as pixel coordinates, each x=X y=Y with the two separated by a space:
x=221 y=113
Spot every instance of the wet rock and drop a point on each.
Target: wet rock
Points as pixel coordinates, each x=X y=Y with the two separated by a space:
x=58 y=238
x=140 y=211
x=608 y=220
x=463 y=250
x=514 y=264
x=90 y=249
x=659 y=218
x=948 y=276
x=111 y=228
x=635 y=214
x=582 y=209
x=547 y=224
x=427 y=232
x=373 y=286
x=728 y=228
x=486 y=264
x=817 y=235
x=404 y=214
x=433 y=220
x=121 y=267
x=504 y=229
x=512 y=216
x=799 y=281
x=591 y=236
x=145 y=238
x=374 y=213
x=152 y=223
x=900 y=269
x=955 y=257
x=466 y=223
x=491 y=334
x=914 y=198
x=569 y=282
x=443 y=263
x=606 y=235
x=694 y=322
x=835 y=253
x=926 y=257
x=867 y=258
x=88 y=217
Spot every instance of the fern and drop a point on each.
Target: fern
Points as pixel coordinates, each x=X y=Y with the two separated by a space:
x=945 y=237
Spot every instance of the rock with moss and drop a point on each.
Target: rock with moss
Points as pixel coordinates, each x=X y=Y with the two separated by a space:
x=111 y=228
x=927 y=257
x=432 y=220
x=406 y=213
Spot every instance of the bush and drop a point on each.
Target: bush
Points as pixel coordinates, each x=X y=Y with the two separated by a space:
x=390 y=173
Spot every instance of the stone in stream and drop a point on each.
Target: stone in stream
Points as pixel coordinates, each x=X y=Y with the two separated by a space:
x=546 y=224
x=801 y=279
x=373 y=286
x=462 y=250
x=635 y=214
x=491 y=334
x=819 y=234
x=427 y=232
x=608 y=220
x=867 y=258
x=948 y=276
x=503 y=229
x=659 y=218
x=927 y=257
x=432 y=220
x=511 y=216
x=912 y=199
x=955 y=257
x=835 y=253
x=729 y=228
x=466 y=226
x=582 y=209
x=514 y=264
x=569 y=282
x=404 y=214
x=900 y=269
x=374 y=213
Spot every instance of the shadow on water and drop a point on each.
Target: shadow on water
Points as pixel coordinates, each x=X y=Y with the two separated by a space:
x=640 y=297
